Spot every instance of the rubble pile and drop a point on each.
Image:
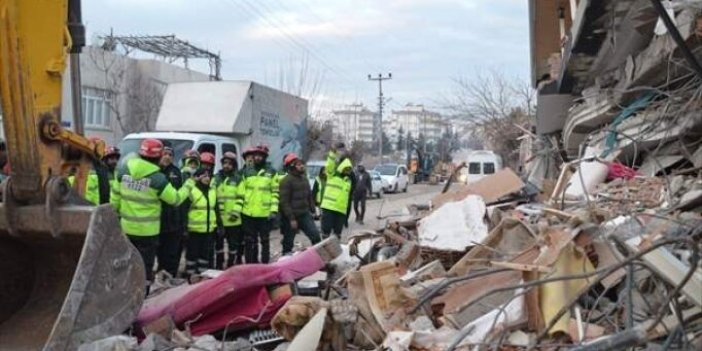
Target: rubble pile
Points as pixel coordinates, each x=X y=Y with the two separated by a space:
x=620 y=269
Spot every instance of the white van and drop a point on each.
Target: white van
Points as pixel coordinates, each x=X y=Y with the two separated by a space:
x=479 y=164
x=181 y=142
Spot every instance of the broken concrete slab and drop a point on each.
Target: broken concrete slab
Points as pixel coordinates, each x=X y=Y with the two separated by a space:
x=455 y=225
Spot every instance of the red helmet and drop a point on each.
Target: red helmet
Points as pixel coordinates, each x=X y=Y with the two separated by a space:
x=229 y=155
x=151 y=148
x=207 y=157
x=289 y=159
x=255 y=150
x=111 y=151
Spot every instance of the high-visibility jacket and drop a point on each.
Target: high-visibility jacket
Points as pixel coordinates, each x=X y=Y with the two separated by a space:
x=92 y=189
x=137 y=196
x=202 y=217
x=337 y=190
x=227 y=197
x=319 y=190
x=258 y=192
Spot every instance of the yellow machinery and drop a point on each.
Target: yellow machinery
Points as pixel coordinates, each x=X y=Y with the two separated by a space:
x=67 y=275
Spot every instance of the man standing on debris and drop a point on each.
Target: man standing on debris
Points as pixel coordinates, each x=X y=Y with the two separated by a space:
x=226 y=183
x=361 y=189
x=202 y=224
x=336 y=199
x=170 y=245
x=258 y=204
x=296 y=204
x=137 y=199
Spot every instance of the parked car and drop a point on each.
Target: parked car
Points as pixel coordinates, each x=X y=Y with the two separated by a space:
x=378 y=184
x=395 y=175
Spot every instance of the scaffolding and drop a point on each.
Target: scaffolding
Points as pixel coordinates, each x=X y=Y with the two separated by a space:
x=167 y=47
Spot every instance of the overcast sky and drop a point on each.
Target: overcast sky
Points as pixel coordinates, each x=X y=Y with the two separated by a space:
x=424 y=43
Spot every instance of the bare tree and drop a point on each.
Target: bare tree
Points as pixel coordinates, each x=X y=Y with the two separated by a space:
x=297 y=77
x=494 y=106
x=135 y=99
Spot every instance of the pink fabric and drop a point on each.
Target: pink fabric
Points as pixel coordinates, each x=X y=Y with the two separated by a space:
x=240 y=290
x=618 y=170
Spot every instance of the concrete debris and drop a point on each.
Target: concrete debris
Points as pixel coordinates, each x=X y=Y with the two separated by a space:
x=455 y=225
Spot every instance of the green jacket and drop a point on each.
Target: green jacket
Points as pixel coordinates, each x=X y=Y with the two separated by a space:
x=227 y=196
x=137 y=196
x=257 y=192
x=202 y=216
x=337 y=190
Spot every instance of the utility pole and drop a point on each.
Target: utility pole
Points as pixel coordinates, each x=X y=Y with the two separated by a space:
x=380 y=80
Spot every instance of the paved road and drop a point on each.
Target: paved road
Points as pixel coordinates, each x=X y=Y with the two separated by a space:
x=388 y=204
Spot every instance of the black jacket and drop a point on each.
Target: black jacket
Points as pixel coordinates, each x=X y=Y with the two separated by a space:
x=363 y=185
x=172 y=217
x=295 y=196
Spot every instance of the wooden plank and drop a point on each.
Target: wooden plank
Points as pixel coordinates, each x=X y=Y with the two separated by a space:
x=535 y=321
x=490 y=188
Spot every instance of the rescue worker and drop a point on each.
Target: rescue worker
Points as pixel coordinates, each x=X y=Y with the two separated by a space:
x=207 y=161
x=170 y=246
x=137 y=197
x=190 y=163
x=95 y=194
x=318 y=189
x=296 y=204
x=226 y=183
x=258 y=204
x=202 y=224
x=337 y=192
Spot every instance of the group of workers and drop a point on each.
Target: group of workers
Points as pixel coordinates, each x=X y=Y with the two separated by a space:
x=222 y=219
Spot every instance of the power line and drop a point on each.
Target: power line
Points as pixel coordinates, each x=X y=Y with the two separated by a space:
x=249 y=8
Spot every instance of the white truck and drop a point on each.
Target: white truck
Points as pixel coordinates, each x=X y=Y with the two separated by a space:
x=479 y=163
x=228 y=116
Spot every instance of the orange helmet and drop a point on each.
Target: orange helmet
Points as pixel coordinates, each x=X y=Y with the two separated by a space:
x=207 y=157
x=151 y=148
x=111 y=151
x=289 y=159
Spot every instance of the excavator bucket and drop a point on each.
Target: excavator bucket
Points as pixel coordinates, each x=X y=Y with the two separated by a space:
x=59 y=291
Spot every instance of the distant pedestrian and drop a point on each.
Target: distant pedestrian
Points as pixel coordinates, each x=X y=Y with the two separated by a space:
x=296 y=204
x=362 y=189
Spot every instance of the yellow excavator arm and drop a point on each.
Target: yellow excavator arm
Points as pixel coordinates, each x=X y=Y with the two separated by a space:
x=68 y=275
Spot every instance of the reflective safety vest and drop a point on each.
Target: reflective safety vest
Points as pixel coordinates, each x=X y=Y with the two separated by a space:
x=338 y=188
x=201 y=216
x=320 y=190
x=92 y=189
x=227 y=197
x=137 y=196
x=259 y=193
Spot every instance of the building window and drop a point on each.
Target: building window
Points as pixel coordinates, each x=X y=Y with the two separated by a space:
x=97 y=107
